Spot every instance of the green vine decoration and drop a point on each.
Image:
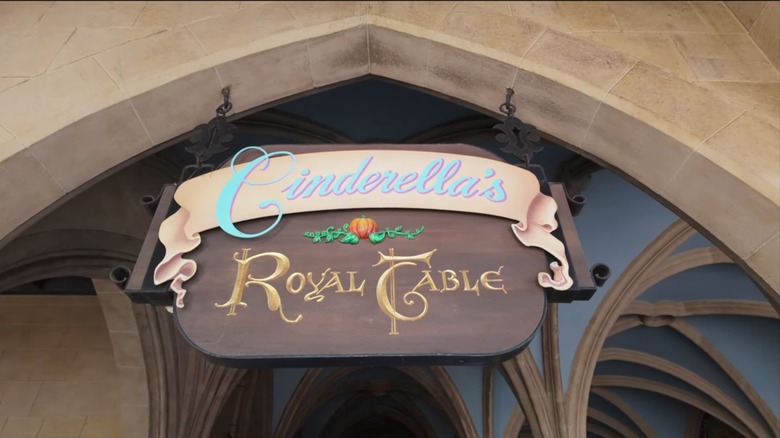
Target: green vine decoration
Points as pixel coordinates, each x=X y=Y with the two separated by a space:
x=332 y=234
x=398 y=231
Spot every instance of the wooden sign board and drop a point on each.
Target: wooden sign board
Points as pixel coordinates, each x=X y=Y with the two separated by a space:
x=324 y=255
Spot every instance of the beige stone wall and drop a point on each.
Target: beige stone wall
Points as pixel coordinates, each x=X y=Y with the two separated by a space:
x=762 y=22
x=676 y=94
x=57 y=373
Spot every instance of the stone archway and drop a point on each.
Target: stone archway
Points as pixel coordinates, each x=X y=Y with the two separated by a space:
x=710 y=155
x=680 y=141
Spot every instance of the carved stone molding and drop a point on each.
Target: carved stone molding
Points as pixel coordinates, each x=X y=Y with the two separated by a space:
x=55 y=253
x=656 y=321
x=523 y=377
x=622 y=292
x=552 y=369
x=704 y=404
x=722 y=361
x=452 y=392
x=677 y=263
x=294 y=406
x=679 y=309
x=487 y=401
x=619 y=312
x=625 y=322
x=515 y=423
x=671 y=368
x=605 y=418
x=248 y=411
x=634 y=416
x=602 y=432
x=186 y=391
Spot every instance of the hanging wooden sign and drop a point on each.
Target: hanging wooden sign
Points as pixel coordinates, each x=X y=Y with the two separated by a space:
x=316 y=255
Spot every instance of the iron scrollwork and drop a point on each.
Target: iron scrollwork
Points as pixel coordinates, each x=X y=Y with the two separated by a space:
x=520 y=139
x=207 y=139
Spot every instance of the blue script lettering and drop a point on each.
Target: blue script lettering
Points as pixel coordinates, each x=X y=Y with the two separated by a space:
x=438 y=177
x=230 y=191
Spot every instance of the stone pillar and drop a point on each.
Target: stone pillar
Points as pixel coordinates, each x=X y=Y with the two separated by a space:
x=128 y=356
x=186 y=392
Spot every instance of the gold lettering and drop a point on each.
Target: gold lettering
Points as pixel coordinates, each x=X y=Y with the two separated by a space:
x=315 y=294
x=238 y=287
x=352 y=284
x=486 y=281
x=427 y=280
x=274 y=301
x=334 y=281
x=468 y=287
x=387 y=303
x=290 y=279
x=449 y=275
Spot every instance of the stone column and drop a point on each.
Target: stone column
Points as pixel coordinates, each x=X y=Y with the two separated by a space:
x=128 y=356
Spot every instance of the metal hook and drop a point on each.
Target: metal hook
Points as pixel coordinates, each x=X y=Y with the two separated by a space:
x=507 y=107
x=227 y=105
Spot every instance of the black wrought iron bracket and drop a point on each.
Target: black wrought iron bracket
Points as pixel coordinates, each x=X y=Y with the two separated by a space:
x=138 y=284
x=586 y=279
x=207 y=139
x=520 y=139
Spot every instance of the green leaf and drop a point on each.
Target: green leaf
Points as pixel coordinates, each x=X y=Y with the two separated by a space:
x=376 y=237
x=399 y=228
x=351 y=239
x=316 y=239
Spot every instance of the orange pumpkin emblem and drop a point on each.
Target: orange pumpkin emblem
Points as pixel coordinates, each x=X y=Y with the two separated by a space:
x=362 y=227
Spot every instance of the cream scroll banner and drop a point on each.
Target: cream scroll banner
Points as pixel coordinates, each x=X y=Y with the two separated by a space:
x=279 y=183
